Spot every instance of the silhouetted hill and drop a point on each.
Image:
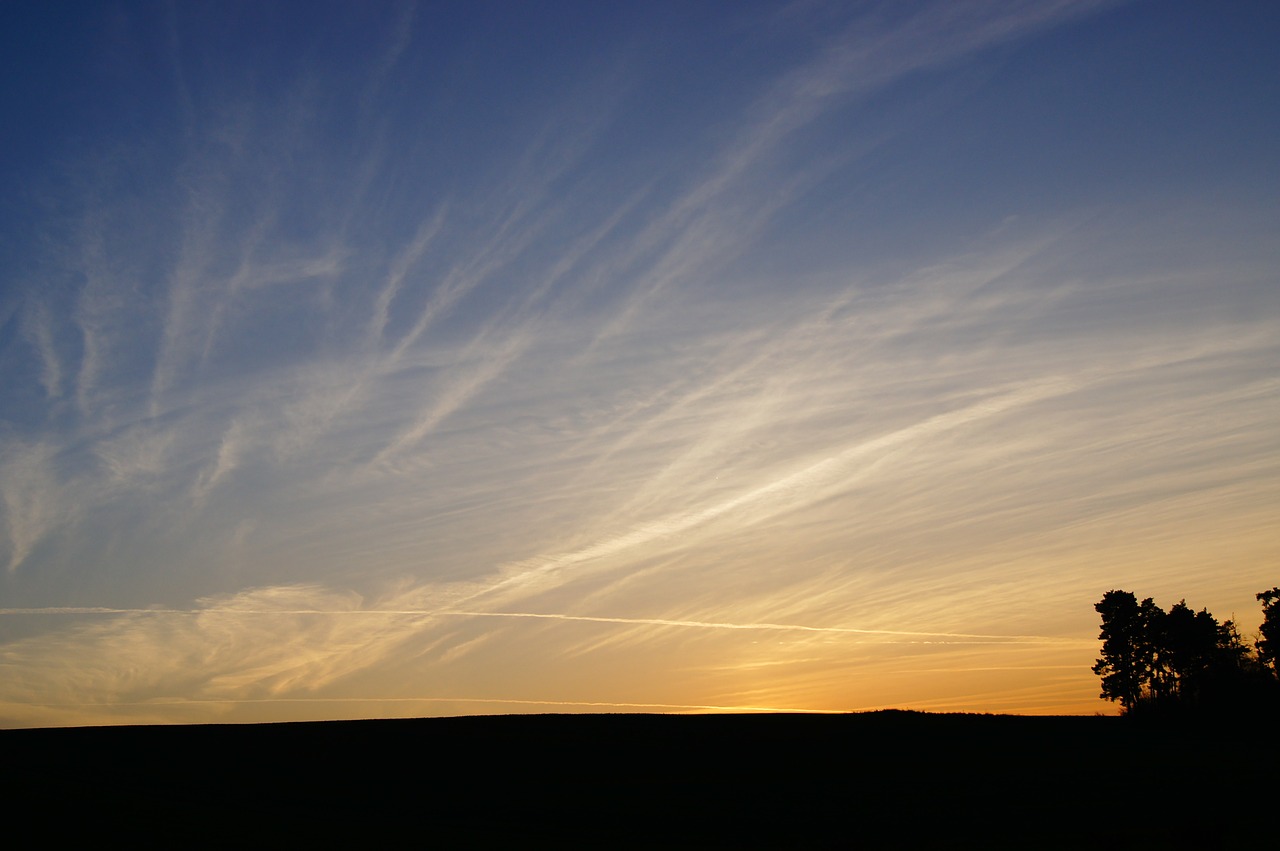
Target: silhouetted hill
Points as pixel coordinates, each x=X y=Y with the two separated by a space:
x=884 y=779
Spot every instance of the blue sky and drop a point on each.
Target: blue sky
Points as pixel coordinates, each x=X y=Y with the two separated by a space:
x=408 y=359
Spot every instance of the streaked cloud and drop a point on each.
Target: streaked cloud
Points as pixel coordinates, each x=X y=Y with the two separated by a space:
x=712 y=360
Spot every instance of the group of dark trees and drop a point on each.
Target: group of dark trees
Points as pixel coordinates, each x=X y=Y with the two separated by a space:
x=1185 y=662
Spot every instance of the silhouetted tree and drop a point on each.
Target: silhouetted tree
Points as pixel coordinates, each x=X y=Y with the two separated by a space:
x=1269 y=644
x=1123 y=666
x=1158 y=681
x=1188 y=644
x=1231 y=651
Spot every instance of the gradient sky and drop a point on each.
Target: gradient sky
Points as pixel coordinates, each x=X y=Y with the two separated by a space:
x=382 y=359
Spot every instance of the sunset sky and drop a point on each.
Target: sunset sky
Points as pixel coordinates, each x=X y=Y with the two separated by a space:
x=391 y=359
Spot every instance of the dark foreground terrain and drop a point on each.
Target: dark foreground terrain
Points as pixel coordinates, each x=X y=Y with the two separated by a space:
x=875 y=780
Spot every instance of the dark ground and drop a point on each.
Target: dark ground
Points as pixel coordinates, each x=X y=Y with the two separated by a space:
x=874 y=780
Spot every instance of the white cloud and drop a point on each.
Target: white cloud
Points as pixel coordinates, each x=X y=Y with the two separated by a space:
x=38 y=327
x=34 y=504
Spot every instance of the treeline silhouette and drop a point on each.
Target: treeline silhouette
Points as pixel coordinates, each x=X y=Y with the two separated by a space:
x=1183 y=662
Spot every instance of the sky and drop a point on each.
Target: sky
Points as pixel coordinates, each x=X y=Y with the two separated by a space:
x=389 y=359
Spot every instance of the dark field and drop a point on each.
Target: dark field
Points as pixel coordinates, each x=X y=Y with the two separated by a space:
x=876 y=780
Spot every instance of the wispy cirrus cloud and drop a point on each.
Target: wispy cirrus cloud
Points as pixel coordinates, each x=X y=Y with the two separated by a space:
x=443 y=374
x=33 y=506
x=38 y=326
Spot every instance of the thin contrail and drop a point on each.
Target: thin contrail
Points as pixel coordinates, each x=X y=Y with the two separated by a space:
x=756 y=626
x=104 y=610
x=501 y=700
x=777 y=627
